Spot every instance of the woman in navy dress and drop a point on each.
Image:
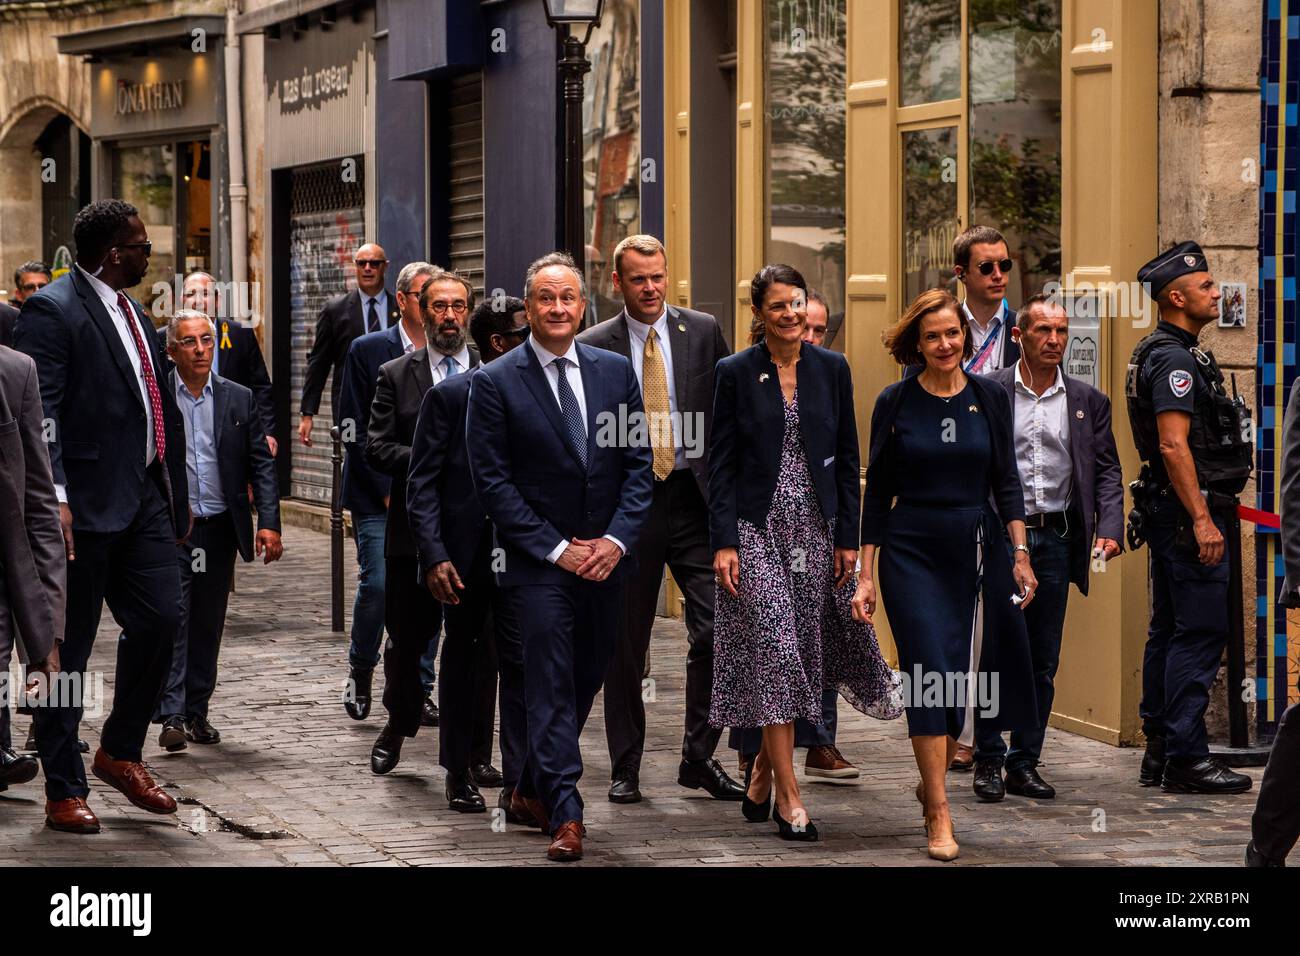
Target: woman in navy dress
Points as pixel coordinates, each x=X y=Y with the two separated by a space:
x=941 y=443
x=783 y=524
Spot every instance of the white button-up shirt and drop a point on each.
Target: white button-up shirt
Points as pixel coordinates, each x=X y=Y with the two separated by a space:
x=979 y=335
x=574 y=375
x=407 y=345
x=1043 y=446
x=638 y=333
x=108 y=296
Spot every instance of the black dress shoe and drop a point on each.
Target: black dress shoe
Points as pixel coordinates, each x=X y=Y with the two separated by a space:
x=787 y=831
x=356 y=696
x=16 y=768
x=625 y=787
x=1256 y=859
x=1153 y=763
x=988 y=785
x=485 y=775
x=1024 y=781
x=1204 y=775
x=172 y=736
x=386 y=751
x=30 y=745
x=429 y=713
x=709 y=776
x=200 y=731
x=462 y=795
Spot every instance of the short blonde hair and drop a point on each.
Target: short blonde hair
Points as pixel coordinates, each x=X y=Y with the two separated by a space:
x=645 y=244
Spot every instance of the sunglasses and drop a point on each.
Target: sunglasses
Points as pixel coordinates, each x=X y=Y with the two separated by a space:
x=146 y=246
x=371 y=263
x=33 y=286
x=986 y=267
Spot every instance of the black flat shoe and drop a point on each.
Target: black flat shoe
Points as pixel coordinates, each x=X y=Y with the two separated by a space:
x=787 y=831
x=1152 y=771
x=463 y=796
x=30 y=745
x=486 y=775
x=1206 y=775
x=386 y=751
x=356 y=695
x=754 y=812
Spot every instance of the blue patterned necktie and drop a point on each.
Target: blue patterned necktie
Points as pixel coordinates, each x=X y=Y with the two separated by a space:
x=449 y=367
x=572 y=414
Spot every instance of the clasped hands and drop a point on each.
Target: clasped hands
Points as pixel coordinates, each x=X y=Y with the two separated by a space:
x=593 y=559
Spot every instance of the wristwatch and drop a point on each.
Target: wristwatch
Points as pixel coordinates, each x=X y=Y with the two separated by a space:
x=1021 y=547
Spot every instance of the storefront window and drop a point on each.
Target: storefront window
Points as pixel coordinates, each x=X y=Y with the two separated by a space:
x=929 y=51
x=611 y=148
x=806 y=75
x=929 y=209
x=197 y=209
x=145 y=176
x=1015 y=133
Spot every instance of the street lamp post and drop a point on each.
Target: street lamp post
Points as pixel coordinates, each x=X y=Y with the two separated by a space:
x=573 y=67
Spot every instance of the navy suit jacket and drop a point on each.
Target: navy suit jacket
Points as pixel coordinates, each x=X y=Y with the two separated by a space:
x=8 y=319
x=531 y=482
x=749 y=427
x=440 y=473
x=91 y=396
x=364 y=488
x=243 y=460
x=1098 y=482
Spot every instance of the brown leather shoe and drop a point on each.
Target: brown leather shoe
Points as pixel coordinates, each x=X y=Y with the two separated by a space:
x=134 y=782
x=963 y=759
x=71 y=816
x=828 y=762
x=530 y=811
x=567 y=843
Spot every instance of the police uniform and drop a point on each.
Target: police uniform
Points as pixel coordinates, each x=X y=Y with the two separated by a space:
x=1189 y=600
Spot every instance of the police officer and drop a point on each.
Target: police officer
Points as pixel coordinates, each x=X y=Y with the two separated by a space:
x=1196 y=445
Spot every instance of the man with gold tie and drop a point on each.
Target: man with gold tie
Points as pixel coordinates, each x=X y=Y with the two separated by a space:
x=673 y=352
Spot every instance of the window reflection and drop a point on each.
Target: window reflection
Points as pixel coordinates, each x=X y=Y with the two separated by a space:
x=1015 y=133
x=611 y=149
x=929 y=209
x=806 y=75
x=929 y=51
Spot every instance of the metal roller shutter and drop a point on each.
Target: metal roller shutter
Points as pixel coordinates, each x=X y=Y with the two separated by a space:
x=467 y=177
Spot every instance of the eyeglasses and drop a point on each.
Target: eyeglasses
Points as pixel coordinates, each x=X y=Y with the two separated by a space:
x=146 y=246
x=371 y=263
x=33 y=286
x=986 y=267
x=191 y=344
x=460 y=307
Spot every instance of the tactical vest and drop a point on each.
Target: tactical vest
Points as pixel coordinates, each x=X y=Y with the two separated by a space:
x=1221 y=433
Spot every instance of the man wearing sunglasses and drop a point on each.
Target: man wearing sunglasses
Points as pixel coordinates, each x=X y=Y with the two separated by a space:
x=118 y=458
x=983 y=265
x=370 y=307
x=29 y=278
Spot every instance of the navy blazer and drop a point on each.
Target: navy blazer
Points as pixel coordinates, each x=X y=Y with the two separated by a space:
x=529 y=480
x=240 y=361
x=1098 y=482
x=91 y=396
x=748 y=429
x=243 y=459
x=883 y=478
x=440 y=473
x=364 y=488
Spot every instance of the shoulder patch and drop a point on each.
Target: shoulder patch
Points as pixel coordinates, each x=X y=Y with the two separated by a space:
x=1180 y=382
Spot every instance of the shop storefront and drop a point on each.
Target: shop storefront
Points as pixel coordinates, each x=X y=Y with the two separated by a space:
x=157 y=103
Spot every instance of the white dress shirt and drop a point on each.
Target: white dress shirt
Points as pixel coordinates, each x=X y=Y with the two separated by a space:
x=979 y=335
x=439 y=371
x=407 y=345
x=1043 y=446
x=638 y=332
x=108 y=296
x=574 y=376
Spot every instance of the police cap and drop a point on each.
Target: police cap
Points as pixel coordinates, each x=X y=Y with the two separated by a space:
x=1182 y=259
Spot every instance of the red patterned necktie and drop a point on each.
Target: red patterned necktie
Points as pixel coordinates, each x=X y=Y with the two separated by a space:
x=150 y=383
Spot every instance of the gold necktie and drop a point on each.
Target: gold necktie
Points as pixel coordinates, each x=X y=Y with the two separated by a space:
x=654 y=390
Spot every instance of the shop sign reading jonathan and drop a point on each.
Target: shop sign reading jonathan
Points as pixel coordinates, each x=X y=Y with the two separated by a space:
x=149 y=97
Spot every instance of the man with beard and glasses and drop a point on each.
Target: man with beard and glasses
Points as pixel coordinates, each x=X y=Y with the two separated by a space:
x=410 y=611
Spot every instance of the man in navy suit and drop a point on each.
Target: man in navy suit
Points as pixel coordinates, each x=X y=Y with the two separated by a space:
x=225 y=453
x=117 y=450
x=1074 y=514
x=365 y=489
x=567 y=480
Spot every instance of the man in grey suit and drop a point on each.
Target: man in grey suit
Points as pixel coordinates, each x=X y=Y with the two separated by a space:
x=1074 y=507
x=673 y=352
x=33 y=569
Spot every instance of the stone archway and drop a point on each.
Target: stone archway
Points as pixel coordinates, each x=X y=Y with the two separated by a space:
x=21 y=209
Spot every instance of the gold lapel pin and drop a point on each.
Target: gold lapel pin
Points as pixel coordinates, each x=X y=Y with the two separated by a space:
x=974 y=408
x=681 y=326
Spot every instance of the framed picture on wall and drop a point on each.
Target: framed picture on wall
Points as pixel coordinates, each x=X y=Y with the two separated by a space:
x=1232 y=305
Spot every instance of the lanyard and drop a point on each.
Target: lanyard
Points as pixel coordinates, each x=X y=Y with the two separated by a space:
x=977 y=360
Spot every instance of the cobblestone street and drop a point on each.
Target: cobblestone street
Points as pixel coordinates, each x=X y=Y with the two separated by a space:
x=290 y=784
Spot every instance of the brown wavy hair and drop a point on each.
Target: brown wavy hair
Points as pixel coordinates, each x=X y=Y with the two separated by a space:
x=903 y=338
